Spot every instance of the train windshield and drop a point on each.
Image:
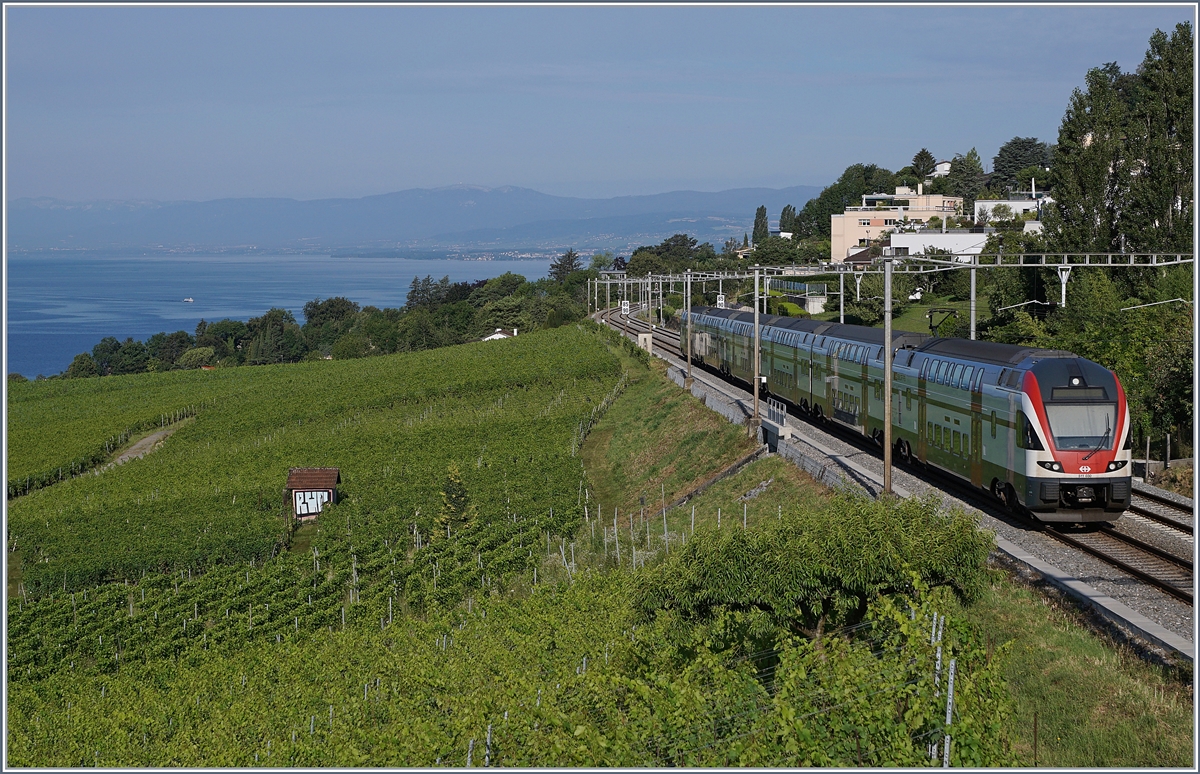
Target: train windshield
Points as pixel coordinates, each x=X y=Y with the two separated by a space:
x=1082 y=426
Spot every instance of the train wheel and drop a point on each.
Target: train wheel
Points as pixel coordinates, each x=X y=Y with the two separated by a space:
x=1008 y=496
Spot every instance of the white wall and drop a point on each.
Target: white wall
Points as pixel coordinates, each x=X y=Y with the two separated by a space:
x=964 y=243
x=1018 y=206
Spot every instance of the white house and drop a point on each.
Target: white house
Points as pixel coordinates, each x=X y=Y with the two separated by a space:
x=940 y=169
x=500 y=334
x=1018 y=206
x=957 y=241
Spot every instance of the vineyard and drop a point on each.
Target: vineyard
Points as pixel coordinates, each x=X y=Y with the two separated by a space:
x=463 y=603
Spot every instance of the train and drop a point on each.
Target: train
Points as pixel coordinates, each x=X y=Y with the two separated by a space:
x=1045 y=431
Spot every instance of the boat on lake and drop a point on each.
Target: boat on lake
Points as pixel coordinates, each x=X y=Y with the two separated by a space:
x=189 y=300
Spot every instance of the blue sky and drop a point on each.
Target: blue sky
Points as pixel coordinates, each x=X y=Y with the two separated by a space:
x=312 y=102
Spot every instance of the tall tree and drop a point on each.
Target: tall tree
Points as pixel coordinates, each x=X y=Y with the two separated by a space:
x=1014 y=156
x=787 y=218
x=1091 y=172
x=761 y=229
x=966 y=179
x=923 y=163
x=1159 y=214
x=564 y=265
x=857 y=180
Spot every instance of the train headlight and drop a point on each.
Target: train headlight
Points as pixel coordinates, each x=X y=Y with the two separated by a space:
x=1052 y=465
x=1116 y=464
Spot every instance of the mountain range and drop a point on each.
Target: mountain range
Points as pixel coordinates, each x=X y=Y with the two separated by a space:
x=459 y=218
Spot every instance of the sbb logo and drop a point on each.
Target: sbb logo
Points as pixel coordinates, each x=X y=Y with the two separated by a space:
x=1085 y=468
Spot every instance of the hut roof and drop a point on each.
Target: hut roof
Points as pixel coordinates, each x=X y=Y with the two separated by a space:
x=313 y=478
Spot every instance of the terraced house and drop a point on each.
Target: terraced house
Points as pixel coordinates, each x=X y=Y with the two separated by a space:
x=881 y=213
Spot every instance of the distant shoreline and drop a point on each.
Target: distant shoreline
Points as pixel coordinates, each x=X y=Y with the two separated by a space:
x=408 y=255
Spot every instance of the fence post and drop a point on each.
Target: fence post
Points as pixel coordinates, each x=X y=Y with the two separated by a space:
x=949 y=714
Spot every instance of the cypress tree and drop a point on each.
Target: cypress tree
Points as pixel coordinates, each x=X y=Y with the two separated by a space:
x=761 y=229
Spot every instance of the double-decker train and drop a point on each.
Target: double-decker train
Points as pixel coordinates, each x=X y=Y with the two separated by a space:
x=1044 y=430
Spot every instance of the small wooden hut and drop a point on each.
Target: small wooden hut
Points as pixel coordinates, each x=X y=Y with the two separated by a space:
x=308 y=489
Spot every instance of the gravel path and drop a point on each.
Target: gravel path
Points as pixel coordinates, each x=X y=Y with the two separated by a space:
x=1155 y=605
x=142 y=447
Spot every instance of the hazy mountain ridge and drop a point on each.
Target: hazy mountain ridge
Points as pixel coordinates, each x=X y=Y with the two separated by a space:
x=458 y=216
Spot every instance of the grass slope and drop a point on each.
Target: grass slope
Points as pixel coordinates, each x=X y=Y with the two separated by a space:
x=657 y=441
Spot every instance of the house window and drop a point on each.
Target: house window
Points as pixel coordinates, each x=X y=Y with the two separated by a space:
x=889 y=221
x=864 y=221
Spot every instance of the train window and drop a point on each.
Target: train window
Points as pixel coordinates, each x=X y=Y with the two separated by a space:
x=993 y=424
x=937 y=436
x=956 y=376
x=924 y=368
x=907 y=400
x=968 y=375
x=979 y=380
x=941 y=377
x=957 y=442
x=1014 y=377
x=1026 y=436
x=1000 y=378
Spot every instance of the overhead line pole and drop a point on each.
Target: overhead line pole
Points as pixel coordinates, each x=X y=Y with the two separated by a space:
x=757 y=348
x=887 y=375
x=688 y=306
x=974 y=261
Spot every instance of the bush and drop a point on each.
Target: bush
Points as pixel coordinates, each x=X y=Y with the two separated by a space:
x=811 y=571
x=194 y=358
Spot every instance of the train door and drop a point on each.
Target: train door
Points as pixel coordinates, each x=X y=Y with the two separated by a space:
x=976 y=458
x=922 y=413
x=833 y=380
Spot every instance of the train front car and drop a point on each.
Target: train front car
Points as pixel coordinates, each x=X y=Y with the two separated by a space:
x=1077 y=440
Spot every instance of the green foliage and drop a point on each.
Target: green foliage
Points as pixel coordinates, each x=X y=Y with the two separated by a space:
x=1160 y=214
x=966 y=179
x=809 y=572
x=776 y=251
x=196 y=357
x=923 y=163
x=1014 y=158
x=457 y=512
x=565 y=265
x=601 y=261
x=209 y=497
x=761 y=228
x=374 y=645
x=340 y=308
x=868 y=306
x=82 y=367
x=857 y=180
x=787 y=218
x=1122 y=175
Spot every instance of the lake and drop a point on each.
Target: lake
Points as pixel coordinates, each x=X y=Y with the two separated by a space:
x=60 y=306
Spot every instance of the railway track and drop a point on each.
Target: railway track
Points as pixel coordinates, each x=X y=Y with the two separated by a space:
x=1154 y=566
x=1163 y=511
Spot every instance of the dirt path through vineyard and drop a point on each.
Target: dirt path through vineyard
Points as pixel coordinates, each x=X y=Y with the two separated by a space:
x=144 y=446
